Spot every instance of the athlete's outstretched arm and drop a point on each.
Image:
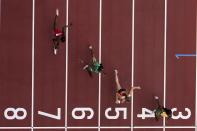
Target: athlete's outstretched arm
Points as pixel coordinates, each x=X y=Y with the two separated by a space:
x=55 y=22
x=134 y=88
x=66 y=26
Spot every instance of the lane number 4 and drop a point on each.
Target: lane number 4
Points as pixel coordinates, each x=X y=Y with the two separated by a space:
x=146 y=113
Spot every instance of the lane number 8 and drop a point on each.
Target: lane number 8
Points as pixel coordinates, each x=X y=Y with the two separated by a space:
x=14 y=113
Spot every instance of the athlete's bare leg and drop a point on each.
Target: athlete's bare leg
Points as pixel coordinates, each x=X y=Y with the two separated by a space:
x=55 y=45
x=87 y=68
x=118 y=87
x=92 y=53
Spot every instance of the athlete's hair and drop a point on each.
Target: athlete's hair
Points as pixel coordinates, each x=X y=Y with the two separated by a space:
x=168 y=112
x=100 y=68
x=63 y=39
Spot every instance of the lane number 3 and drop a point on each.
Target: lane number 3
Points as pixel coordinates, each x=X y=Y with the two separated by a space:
x=146 y=113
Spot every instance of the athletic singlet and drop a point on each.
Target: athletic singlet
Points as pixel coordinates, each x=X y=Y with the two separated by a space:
x=94 y=67
x=121 y=92
x=159 y=111
x=58 y=32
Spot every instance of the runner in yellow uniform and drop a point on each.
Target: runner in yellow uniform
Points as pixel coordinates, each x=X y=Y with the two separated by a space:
x=160 y=111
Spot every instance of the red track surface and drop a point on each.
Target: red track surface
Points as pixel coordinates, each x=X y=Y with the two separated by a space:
x=116 y=52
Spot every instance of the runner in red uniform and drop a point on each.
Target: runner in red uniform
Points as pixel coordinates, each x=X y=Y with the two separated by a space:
x=59 y=34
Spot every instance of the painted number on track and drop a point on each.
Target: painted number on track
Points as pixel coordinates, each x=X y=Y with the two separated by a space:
x=14 y=113
x=57 y=117
x=180 y=114
x=146 y=113
x=117 y=115
x=82 y=113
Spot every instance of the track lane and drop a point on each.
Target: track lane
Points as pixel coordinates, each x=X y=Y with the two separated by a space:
x=116 y=54
x=149 y=129
x=181 y=75
x=149 y=57
x=82 y=89
x=185 y=129
x=15 y=59
x=49 y=69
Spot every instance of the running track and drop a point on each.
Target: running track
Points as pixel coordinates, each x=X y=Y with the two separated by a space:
x=139 y=38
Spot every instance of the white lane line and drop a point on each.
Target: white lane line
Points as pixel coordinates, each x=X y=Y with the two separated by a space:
x=49 y=128
x=83 y=127
x=167 y=127
x=15 y=128
x=100 y=38
x=132 y=64
x=105 y=127
x=33 y=27
x=0 y=13
x=66 y=82
x=165 y=44
x=196 y=77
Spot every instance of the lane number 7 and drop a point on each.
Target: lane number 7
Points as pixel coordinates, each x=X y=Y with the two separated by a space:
x=57 y=117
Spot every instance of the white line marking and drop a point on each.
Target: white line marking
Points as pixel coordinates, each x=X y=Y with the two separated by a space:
x=196 y=77
x=0 y=14
x=49 y=127
x=33 y=27
x=100 y=38
x=15 y=128
x=66 y=82
x=168 y=127
x=115 y=127
x=165 y=44
x=105 y=127
x=90 y=127
x=132 y=63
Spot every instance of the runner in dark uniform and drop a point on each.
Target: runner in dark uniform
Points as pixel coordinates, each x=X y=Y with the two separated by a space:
x=160 y=111
x=94 y=66
x=122 y=95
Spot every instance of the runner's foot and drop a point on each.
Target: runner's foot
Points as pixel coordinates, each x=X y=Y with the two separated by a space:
x=90 y=47
x=156 y=97
x=85 y=67
x=57 y=12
